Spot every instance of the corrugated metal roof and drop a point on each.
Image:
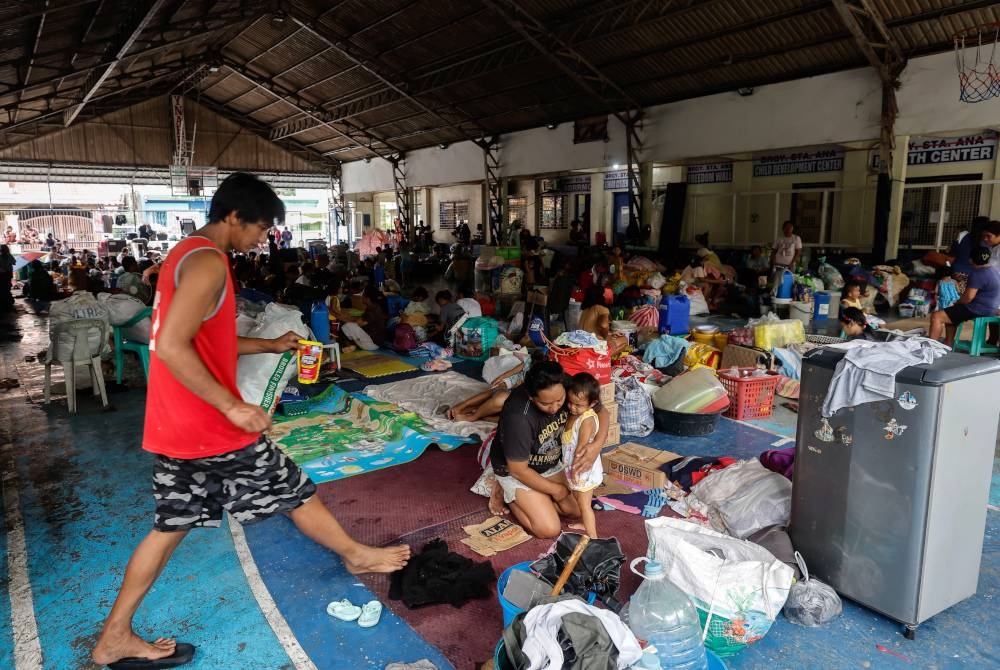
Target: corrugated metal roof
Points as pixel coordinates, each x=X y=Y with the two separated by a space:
x=392 y=75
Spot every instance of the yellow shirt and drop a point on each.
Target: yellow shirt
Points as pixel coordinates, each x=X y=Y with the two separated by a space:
x=851 y=303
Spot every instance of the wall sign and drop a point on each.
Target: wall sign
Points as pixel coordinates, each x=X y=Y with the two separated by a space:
x=616 y=180
x=710 y=173
x=940 y=150
x=799 y=162
x=558 y=185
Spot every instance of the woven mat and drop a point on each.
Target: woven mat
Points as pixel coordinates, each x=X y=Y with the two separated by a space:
x=372 y=365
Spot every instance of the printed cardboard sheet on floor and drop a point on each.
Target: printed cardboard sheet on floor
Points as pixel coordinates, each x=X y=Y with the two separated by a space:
x=494 y=535
x=637 y=465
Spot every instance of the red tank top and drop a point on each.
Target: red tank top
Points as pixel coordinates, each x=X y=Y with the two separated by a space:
x=179 y=424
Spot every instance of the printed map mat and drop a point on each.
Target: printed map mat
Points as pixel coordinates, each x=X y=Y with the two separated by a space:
x=346 y=434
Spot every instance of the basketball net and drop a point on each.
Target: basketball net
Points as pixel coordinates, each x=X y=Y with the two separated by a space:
x=975 y=52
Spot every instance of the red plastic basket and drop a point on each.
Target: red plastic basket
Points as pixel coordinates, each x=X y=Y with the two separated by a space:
x=749 y=397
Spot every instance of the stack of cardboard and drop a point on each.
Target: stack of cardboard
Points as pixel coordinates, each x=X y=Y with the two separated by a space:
x=608 y=401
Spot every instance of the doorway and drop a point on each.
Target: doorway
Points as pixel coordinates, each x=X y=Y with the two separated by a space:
x=807 y=212
x=619 y=214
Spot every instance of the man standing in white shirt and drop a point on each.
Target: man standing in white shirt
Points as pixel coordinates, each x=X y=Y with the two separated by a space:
x=787 y=249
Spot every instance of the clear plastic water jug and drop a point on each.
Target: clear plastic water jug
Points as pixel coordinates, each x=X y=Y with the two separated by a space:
x=665 y=617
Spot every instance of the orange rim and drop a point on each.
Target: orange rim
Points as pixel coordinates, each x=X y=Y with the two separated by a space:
x=965 y=33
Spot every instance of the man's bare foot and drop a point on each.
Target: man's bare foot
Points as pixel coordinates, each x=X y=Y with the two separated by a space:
x=376 y=559
x=111 y=647
x=576 y=526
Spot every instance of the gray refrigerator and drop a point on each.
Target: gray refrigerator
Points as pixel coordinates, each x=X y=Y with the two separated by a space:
x=889 y=498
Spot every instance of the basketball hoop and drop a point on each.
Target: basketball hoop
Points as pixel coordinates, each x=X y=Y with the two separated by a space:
x=975 y=50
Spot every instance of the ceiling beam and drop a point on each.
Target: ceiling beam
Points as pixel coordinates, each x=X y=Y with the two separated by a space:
x=391 y=79
x=312 y=114
x=33 y=52
x=118 y=47
x=879 y=47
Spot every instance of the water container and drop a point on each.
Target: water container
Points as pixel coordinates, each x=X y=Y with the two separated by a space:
x=690 y=392
x=783 y=282
x=319 y=321
x=821 y=306
x=664 y=616
x=675 y=312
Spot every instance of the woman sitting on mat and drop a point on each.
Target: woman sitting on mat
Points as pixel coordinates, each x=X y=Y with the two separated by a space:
x=594 y=315
x=526 y=453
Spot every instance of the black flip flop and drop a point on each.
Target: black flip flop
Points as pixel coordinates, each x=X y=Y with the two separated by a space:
x=183 y=653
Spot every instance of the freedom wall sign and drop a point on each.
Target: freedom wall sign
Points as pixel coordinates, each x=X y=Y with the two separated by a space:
x=710 y=173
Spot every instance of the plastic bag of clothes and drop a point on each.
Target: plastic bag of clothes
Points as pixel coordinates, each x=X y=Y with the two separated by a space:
x=811 y=602
x=635 y=408
x=832 y=279
x=262 y=377
x=598 y=570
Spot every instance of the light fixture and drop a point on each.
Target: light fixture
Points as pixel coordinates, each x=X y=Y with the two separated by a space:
x=744 y=91
x=278 y=18
x=368 y=159
x=443 y=146
x=616 y=166
x=551 y=126
x=213 y=68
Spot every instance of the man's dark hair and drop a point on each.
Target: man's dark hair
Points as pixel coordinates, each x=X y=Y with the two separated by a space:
x=443 y=295
x=253 y=200
x=419 y=294
x=992 y=227
x=980 y=256
x=129 y=263
x=542 y=376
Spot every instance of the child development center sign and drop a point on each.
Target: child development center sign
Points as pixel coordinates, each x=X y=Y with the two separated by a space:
x=940 y=150
x=799 y=162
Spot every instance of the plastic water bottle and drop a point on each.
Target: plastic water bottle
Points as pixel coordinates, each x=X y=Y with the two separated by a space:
x=319 y=320
x=665 y=617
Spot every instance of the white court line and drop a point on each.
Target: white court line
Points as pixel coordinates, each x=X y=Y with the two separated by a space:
x=27 y=646
x=274 y=618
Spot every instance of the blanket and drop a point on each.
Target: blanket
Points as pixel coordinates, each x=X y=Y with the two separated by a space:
x=427 y=395
x=346 y=434
x=371 y=365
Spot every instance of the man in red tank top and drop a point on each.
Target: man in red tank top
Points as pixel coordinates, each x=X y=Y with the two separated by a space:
x=211 y=454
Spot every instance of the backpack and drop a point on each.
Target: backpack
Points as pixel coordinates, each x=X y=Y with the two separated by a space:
x=405 y=338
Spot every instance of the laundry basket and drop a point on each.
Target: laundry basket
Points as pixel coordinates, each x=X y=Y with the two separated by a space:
x=750 y=397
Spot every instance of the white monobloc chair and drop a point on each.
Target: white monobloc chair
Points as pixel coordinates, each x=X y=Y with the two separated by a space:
x=86 y=351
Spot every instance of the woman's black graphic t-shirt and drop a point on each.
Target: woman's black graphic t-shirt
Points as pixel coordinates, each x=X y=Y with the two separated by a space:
x=525 y=433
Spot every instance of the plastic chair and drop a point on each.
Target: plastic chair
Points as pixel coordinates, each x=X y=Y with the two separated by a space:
x=122 y=345
x=980 y=332
x=334 y=348
x=83 y=354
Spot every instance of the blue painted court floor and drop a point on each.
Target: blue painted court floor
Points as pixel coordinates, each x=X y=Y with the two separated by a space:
x=77 y=500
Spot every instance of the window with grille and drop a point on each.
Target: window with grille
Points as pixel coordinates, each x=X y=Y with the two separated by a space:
x=922 y=223
x=553 y=212
x=517 y=210
x=451 y=212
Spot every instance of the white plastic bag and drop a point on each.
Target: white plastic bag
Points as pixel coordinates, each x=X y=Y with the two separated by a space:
x=737 y=587
x=122 y=309
x=811 y=602
x=262 y=378
x=80 y=305
x=744 y=498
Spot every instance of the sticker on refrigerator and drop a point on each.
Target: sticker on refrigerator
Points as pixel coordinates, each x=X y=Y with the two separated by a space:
x=893 y=429
x=907 y=400
x=824 y=433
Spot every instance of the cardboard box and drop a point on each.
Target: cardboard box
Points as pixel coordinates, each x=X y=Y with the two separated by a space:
x=612 y=408
x=607 y=393
x=614 y=434
x=637 y=465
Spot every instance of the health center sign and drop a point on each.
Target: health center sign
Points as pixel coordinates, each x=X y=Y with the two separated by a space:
x=940 y=150
x=799 y=162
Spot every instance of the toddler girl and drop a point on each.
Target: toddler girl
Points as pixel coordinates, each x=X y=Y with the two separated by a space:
x=582 y=395
x=947 y=290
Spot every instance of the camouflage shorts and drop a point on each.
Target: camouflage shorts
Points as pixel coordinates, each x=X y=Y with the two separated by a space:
x=251 y=484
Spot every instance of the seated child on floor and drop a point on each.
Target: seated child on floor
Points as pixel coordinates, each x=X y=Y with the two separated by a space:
x=853 y=293
x=946 y=290
x=582 y=395
x=855 y=324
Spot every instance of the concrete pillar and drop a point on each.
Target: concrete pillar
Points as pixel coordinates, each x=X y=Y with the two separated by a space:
x=898 y=179
x=646 y=196
x=994 y=199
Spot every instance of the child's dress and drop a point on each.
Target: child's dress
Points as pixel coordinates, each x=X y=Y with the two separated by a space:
x=584 y=481
x=947 y=294
x=846 y=302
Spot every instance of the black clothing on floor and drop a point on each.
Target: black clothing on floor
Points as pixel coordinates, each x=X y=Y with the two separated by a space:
x=437 y=575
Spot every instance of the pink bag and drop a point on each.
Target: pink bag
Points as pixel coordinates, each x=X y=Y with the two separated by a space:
x=646 y=316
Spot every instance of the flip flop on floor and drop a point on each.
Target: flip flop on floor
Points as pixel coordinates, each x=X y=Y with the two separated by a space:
x=183 y=653
x=344 y=610
x=370 y=614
